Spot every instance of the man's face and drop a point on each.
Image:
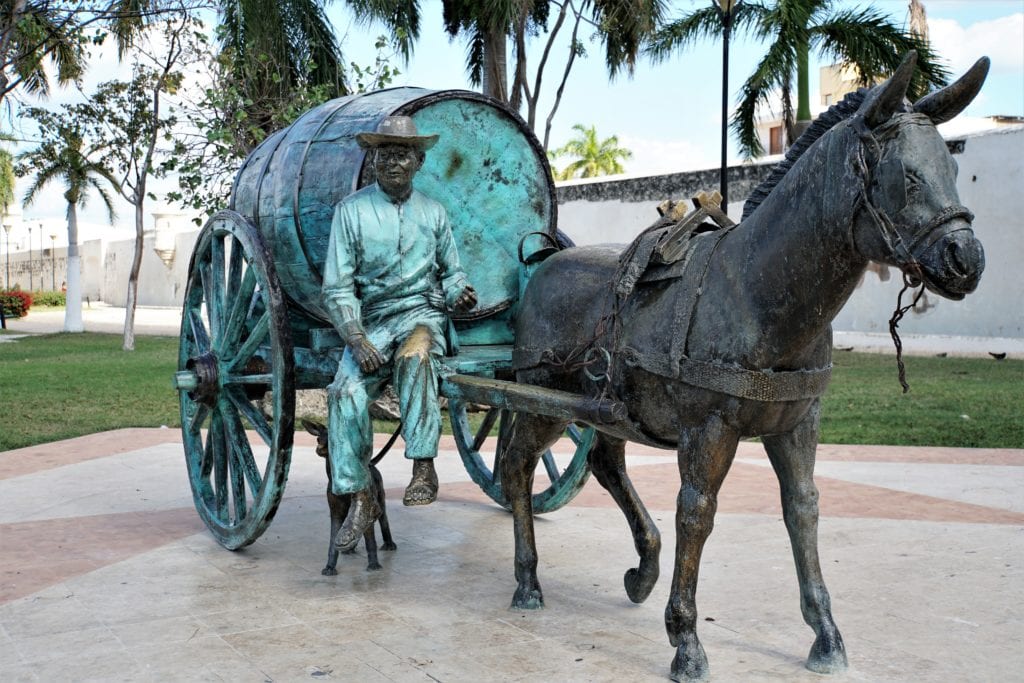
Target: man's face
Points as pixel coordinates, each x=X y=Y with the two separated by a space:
x=395 y=166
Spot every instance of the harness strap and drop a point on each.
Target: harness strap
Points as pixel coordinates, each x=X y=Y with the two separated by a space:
x=756 y=385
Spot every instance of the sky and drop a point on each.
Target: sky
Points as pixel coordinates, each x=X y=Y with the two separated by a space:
x=667 y=114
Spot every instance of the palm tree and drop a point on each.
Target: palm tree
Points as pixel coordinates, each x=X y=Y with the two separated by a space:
x=862 y=37
x=7 y=179
x=277 y=48
x=63 y=156
x=590 y=157
x=31 y=31
x=621 y=25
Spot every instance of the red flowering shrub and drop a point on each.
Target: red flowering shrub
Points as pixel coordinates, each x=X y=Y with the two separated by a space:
x=15 y=302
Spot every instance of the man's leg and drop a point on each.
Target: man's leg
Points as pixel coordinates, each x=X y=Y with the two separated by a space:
x=350 y=436
x=415 y=382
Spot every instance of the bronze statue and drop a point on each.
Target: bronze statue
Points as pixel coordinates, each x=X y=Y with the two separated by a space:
x=391 y=275
x=731 y=338
x=339 y=507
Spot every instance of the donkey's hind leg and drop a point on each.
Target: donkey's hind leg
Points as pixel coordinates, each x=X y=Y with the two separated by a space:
x=608 y=462
x=531 y=436
x=792 y=456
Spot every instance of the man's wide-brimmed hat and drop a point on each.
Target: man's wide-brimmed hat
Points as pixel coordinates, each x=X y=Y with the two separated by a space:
x=396 y=130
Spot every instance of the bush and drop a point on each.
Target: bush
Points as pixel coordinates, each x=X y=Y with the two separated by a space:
x=49 y=299
x=15 y=302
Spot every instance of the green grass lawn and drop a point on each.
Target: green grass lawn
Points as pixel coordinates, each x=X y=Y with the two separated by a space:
x=64 y=385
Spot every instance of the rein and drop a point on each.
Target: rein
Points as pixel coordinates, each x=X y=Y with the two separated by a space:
x=890 y=234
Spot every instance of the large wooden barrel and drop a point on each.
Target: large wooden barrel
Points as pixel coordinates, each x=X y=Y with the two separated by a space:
x=487 y=169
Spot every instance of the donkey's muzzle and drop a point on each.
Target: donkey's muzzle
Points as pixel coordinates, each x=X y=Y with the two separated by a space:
x=952 y=266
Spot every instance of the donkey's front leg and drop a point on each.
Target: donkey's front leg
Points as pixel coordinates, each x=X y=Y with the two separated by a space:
x=705 y=454
x=531 y=435
x=792 y=456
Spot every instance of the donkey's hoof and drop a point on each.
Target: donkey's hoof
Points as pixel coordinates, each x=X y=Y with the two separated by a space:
x=373 y=567
x=389 y=546
x=828 y=655
x=690 y=663
x=528 y=598
x=640 y=581
x=329 y=571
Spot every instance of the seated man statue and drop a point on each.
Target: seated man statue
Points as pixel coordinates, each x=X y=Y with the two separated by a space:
x=392 y=274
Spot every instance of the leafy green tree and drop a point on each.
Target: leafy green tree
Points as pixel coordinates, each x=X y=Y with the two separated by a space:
x=63 y=155
x=129 y=118
x=35 y=34
x=590 y=157
x=7 y=178
x=217 y=133
x=863 y=37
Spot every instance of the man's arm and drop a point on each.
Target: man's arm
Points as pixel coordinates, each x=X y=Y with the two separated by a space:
x=459 y=295
x=339 y=290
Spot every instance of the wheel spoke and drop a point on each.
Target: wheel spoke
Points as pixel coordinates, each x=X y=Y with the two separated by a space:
x=243 y=452
x=220 y=466
x=550 y=465
x=485 y=428
x=215 y=302
x=239 y=308
x=254 y=416
x=199 y=333
x=198 y=418
x=252 y=344
x=206 y=465
x=504 y=432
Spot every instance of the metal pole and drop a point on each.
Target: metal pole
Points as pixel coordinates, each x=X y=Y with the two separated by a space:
x=726 y=10
x=31 y=282
x=53 y=263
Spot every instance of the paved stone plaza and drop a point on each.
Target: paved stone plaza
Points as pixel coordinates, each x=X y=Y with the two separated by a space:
x=106 y=573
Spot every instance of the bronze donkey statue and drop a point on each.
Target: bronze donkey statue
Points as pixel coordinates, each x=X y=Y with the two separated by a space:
x=735 y=340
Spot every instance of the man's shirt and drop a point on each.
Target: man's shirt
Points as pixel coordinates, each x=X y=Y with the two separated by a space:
x=385 y=257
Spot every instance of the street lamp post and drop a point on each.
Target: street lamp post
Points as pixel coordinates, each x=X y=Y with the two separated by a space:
x=725 y=9
x=53 y=262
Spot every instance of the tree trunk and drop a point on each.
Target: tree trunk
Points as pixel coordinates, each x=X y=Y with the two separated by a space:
x=128 y=343
x=803 y=92
x=495 y=76
x=73 y=306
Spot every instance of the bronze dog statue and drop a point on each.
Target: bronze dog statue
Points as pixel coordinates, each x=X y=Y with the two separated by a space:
x=339 y=506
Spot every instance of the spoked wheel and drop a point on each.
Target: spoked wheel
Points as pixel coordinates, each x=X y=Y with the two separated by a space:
x=563 y=482
x=235 y=345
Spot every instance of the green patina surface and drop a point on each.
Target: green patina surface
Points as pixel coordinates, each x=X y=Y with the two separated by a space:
x=486 y=169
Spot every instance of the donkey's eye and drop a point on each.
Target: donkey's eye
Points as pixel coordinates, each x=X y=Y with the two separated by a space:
x=913 y=182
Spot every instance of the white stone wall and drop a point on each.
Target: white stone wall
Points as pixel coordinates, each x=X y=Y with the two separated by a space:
x=990 y=183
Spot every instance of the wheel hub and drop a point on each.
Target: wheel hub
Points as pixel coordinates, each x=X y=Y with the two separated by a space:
x=204 y=368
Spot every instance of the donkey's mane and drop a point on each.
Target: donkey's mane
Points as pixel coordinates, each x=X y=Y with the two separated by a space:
x=838 y=112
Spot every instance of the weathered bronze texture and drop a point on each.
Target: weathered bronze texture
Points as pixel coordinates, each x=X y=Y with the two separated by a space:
x=339 y=507
x=752 y=303
x=391 y=277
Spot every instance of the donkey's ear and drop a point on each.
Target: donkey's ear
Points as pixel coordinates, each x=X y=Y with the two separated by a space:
x=313 y=427
x=942 y=105
x=887 y=99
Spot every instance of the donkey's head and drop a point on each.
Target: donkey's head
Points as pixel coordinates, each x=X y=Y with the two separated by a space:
x=910 y=214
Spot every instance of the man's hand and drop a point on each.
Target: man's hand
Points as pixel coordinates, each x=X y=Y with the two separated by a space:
x=466 y=300
x=365 y=354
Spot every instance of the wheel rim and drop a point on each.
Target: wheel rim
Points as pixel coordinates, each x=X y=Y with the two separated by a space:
x=235 y=343
x=563 y=484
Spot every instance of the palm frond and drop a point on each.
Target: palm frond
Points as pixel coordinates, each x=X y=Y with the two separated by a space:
x=702 y=23
x=774 y=71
